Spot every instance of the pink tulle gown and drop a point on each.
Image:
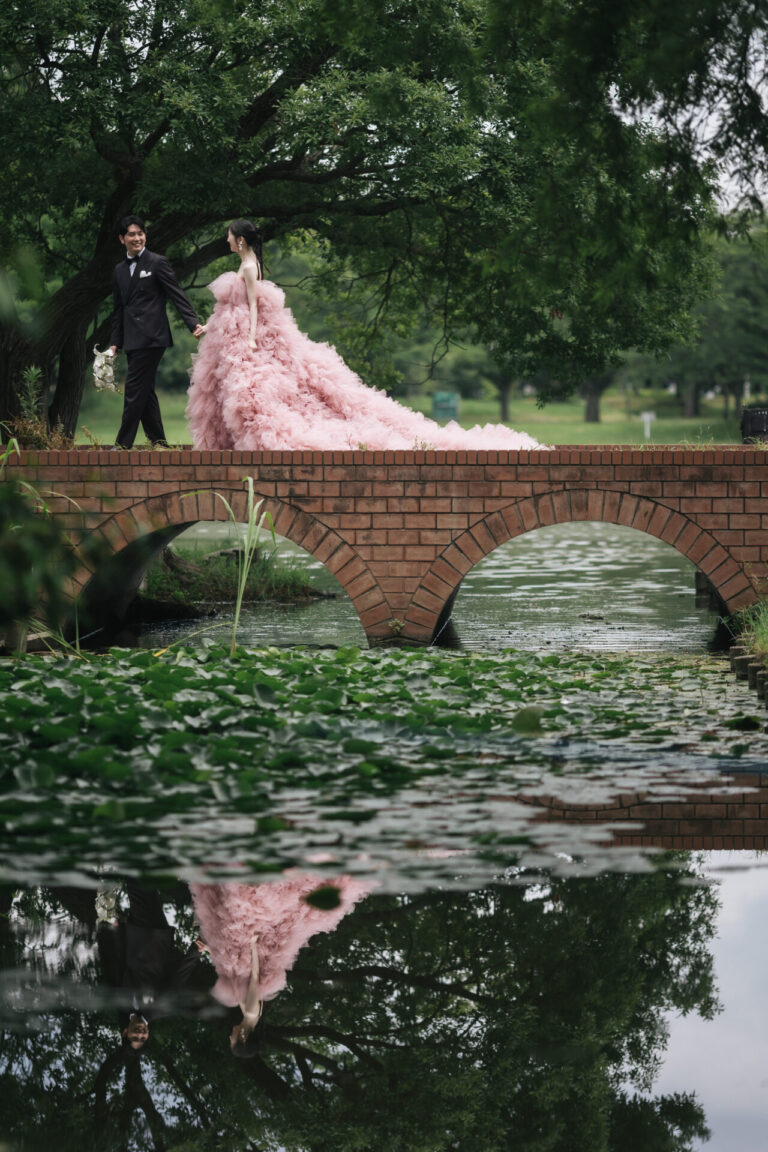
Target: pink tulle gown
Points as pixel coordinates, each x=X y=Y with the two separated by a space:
x=229 y=915
x=291 y=393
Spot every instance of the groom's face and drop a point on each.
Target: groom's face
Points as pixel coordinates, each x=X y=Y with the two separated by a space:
x=134 y=240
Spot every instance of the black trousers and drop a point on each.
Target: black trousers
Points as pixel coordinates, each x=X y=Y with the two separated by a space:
x=140 y=403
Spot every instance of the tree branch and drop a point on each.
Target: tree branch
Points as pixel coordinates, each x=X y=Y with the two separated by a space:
x=395 y=976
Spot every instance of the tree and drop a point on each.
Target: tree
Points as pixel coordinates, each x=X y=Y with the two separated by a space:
x=731 y=344
x=697 y=68
x=417 y=143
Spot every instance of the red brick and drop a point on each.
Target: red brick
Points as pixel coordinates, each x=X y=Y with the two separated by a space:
x=369 y=601
x=497 y=526
x=325 y=548
x=482 y=537
x=711 y=811
x=595 y=502
x=422 y=617
x=561 y=504
x=439 y=587
x=354 y=567
x=515 y=489
x=628 y=510
x=714 y=558
x=743 y=811
x=611 y=506
x=713 y=522
x=527 y=513
x=738 y=592
x=383 y=552
x=398 y=590
x=744 y=488
x=446 y=571
x=359 y=585
x=701 y=548
x=374 y=615
x=470 y=548
x=642 y=517
x=545 y=509
x=457 y=559
x=659 y=520
x=579 y=504
x=404 y=569
x=427 y=600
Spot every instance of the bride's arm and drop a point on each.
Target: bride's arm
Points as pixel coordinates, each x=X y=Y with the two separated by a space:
x=251 y=277
x=251 y=1009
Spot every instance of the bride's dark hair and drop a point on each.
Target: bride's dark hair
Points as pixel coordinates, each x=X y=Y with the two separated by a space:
x=252 y=236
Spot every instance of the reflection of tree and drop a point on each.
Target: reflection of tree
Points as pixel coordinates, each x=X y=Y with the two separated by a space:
x=112 y=1120
x=529 y=1017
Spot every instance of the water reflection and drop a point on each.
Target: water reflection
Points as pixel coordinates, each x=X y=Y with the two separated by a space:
x=528 y=1014
x=254 y=932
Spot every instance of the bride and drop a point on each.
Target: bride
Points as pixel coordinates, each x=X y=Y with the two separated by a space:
x=258 y=383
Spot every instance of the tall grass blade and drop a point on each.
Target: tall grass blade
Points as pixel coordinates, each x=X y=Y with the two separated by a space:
x=253 y=528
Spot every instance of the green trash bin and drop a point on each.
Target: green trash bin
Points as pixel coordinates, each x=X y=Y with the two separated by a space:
x=754 y=424
x=445 y=406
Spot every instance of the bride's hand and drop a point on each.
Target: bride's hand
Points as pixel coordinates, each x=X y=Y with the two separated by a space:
x=252 y=345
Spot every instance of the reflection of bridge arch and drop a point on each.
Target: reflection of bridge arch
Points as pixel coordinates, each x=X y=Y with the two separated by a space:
x=136 y=535
x=440 y=584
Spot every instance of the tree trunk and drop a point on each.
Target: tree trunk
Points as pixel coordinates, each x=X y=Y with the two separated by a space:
x=505 y=387
x=691 y=400
x=68 y=395
x=15 y=354
x=592 y=393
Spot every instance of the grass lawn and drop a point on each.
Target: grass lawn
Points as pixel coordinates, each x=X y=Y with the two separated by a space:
x=560 y=423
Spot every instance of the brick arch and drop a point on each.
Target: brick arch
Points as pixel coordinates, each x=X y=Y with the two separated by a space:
x=440 y=584
x=182 y=508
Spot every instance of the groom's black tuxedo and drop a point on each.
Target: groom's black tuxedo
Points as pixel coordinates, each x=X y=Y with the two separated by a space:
x=140 y=319
x=140 y=326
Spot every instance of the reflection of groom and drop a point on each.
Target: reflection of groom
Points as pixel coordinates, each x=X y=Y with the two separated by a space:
x=139 y=959
x=143 y=283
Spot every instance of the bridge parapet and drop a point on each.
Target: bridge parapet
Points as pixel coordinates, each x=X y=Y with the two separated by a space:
x=401 y=529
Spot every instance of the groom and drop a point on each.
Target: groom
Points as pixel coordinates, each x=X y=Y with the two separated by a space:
x=143 y=282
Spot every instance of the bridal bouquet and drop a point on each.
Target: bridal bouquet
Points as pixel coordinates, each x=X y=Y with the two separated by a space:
x=104 y=370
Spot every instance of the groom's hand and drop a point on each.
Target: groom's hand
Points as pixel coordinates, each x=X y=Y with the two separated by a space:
x=198 y=331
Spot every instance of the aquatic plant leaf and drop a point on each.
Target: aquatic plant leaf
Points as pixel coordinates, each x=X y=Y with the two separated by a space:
x=745 y=723
x=527 y=720
x=326 y=898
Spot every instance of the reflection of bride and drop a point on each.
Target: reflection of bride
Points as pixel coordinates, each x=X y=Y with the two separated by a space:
x=259 y=383
x=254 y=933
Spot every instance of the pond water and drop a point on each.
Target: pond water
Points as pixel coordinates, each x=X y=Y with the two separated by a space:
x=510 y=896
x=590 y=586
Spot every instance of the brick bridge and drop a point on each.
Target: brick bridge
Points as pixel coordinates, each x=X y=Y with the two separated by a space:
x=400 y=530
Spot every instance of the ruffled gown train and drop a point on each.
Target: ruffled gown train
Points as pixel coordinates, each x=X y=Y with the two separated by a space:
x=292 y=393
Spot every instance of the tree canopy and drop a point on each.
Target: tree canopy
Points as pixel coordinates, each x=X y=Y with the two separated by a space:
x=448 y=158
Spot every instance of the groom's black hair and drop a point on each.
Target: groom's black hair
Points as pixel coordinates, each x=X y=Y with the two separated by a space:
x=126 y=223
